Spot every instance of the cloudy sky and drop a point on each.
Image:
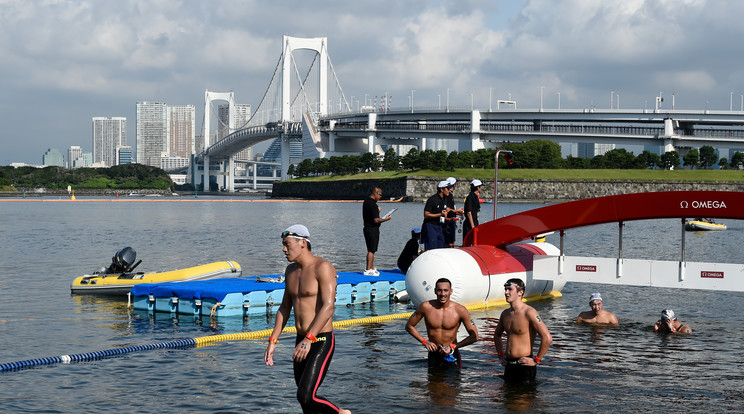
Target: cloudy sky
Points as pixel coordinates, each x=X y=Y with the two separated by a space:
x=65 y=61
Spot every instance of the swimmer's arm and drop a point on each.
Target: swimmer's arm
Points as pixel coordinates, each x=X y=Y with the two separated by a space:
x=469 y=326
x=545 y=337
x=282 y=315
x=411 y=328
x=498 y=343
x=684 y=329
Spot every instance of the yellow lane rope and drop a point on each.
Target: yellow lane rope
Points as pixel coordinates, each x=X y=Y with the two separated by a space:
x=265 y=333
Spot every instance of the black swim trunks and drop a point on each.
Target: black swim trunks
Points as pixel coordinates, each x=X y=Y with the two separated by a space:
x=438 y=359
x=516 y=372
x=310 y=372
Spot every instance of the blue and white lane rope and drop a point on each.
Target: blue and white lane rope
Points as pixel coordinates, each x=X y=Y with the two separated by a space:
x=91 y=356
x=199 y=341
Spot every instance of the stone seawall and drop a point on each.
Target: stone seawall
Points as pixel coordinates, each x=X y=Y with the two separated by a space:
x=518 y=190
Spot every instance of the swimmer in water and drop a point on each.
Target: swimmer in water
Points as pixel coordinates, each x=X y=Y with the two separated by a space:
x=669 y=323
x=597 y=316
x=443 y=318
x=522 y=324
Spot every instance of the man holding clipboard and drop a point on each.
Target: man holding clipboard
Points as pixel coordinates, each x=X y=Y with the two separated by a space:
x=371 y=230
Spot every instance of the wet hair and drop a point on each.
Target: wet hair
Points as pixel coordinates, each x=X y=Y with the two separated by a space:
x=515 y=281
x=443 y=280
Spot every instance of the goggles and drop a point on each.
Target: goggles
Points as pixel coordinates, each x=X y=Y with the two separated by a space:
x=292 y=234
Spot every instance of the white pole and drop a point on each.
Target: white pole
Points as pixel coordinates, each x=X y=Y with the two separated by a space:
x=496 y=180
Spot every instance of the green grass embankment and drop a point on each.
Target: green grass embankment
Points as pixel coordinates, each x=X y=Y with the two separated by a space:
x=559 y=174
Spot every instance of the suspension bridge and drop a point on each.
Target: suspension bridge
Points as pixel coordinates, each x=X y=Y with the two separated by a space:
x=311 y=108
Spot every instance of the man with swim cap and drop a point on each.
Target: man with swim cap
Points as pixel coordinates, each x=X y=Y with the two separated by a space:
x=597 y=316
x=669 y=323
x=443 y=318
x=310 y=288
x=521 y=323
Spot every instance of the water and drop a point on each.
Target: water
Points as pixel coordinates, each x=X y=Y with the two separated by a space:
x=378 y=368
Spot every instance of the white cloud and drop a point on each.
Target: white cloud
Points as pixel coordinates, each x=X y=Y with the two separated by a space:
x=98 y=57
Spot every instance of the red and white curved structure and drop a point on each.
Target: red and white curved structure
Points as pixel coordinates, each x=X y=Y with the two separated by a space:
x=494 y=251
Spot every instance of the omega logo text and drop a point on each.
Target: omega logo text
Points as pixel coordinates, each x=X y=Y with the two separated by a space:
x=702 y=204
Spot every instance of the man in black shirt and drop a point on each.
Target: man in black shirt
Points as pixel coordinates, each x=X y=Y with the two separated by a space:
x=472 y=208
x=435 y=211
x=371 y=230
x=450 y=226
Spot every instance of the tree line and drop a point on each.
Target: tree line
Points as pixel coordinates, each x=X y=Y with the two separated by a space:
x=532 y=154
x=129 y=176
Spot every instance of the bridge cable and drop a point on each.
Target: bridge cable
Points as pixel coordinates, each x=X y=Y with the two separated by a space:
x=338 y=84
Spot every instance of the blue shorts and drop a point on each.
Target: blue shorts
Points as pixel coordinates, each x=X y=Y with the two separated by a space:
x=433 y=236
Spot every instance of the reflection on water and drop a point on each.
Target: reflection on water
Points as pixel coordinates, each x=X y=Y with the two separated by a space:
x=377 y=367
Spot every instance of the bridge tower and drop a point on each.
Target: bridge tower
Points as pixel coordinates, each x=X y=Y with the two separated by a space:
x=208 y=98
x=320 y=46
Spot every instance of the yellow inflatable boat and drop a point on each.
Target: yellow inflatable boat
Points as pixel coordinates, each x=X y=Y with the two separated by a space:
x=119 y=278
x=704 y=225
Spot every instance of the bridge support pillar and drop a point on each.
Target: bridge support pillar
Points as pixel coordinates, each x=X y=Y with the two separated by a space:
x=206 y=174
x=372 y=134
x=668 y=145
x=285 y=156
x=230 y=174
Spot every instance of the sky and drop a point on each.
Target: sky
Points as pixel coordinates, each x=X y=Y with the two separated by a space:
x=63 y=62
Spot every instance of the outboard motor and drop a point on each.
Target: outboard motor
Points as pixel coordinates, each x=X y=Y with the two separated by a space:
x=123 y=260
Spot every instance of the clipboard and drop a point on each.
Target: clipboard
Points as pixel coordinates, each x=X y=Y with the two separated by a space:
x=389 y=213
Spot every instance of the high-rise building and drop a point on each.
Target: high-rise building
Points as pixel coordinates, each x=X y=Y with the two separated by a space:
x=181 y=130
x=73 y=154
x=152 y=132
x=123 y=155
x=242 y=116
x=108 y=133
x=52 y=157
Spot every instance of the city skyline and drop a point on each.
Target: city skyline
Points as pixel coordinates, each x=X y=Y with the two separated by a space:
x=97 y=58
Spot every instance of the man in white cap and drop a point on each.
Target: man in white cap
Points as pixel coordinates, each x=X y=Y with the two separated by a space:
x=435 y=213
x=669 y=323
x=597 y=316
x=410 y=251
x=310 y=288
x=472 y=208
x=450 y=225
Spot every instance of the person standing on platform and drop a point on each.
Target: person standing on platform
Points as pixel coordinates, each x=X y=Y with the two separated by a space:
x=310 y=289
x=371 y=230
x=443 y=318
x=472 y=208
x=435 y=212
x=450 y=225
x=522 y=324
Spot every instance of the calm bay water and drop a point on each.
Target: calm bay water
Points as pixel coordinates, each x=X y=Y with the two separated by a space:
x=378 y=368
